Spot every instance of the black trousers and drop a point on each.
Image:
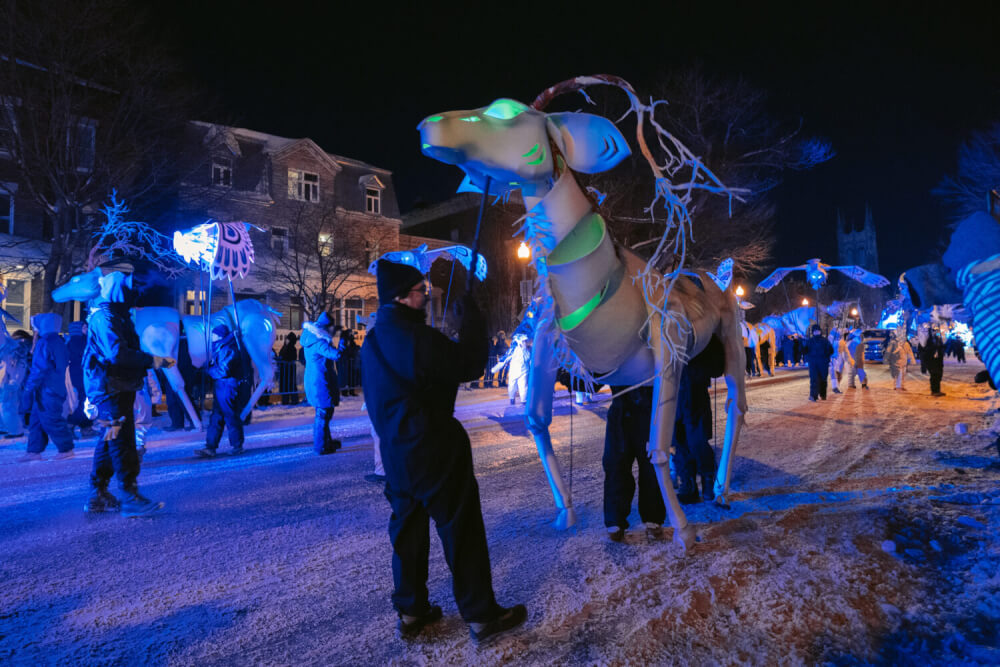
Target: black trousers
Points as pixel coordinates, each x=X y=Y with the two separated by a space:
x=936 y=375
x=453 y=503
x=321 y=429
x=116 y=456
x=693 y=453
x=624 y=442
x=226 y=408
x=817 y=379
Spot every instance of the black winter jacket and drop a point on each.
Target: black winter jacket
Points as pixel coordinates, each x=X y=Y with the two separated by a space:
x=818 y=351
x=112 y=362
x=410 y=391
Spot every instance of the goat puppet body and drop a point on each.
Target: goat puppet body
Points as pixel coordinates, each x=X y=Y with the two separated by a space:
x=159 y=334
x=596 y=306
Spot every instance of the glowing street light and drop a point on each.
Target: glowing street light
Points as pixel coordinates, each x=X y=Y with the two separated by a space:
x=739 y=290
x=854 y=312
x=523 y=251
x=805 y=302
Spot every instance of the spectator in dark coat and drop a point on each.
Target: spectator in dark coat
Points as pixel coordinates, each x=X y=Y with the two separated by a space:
x=322 y=383
x=497 y=351
x=228 y=370
x=348 y=364
x=693 y=455
x=818 y=351
x=45 y=390
x=411 y=373
x=932 y=358
x=114 y=369
x=288 y=373
x=76 y=343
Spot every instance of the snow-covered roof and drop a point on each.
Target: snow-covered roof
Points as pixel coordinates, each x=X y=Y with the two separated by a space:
x=272 y=143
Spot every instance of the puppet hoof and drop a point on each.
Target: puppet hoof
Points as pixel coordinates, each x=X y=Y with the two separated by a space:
x=686 y=537
x=566 y=518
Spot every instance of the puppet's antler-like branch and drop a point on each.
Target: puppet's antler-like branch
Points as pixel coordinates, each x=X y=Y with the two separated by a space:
x=673 y=190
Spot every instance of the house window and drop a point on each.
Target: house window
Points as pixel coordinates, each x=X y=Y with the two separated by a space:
x=82 y=140
x=222 y=172
x=372 y=248
x=7 y=191
x=325 y=244
x=373 y=200
x=353 y=309
x=296 y=313
x=303 y=185
x=192 y=302
x=17 y=300
x=279 y=239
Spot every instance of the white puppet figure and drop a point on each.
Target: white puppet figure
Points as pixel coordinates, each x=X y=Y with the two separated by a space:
x=519 y=358
x=838 y=360
x=604 y=310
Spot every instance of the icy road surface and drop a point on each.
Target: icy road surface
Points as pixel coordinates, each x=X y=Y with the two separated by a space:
x=863 y=529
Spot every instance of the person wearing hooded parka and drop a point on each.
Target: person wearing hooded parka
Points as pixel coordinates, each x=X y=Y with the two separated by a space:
x=321 y=382
x=114 y=369
x=45 y=390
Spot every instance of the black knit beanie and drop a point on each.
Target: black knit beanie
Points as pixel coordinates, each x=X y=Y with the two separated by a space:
x=394 y=279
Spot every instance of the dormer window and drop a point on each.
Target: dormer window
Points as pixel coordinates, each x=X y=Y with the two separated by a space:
x=222 y=172
x=373 y=188
x=303 y=185
x=82 y=142
x=373 y=200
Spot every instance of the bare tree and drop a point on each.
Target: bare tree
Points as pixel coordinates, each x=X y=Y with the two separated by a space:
x=326 y=257
x=727 y=124
x=978 y=172
x=88 y=103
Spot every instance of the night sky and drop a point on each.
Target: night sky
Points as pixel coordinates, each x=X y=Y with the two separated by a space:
x=896 y=88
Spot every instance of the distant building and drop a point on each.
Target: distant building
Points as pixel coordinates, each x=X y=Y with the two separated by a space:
x=317 y=210
x=856 y=242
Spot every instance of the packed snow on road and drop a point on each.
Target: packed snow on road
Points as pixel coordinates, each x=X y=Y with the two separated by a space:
x=862 y=529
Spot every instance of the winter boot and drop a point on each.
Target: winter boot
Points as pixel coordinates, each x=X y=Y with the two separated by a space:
x=507 y=619
x=136 y=504
x=102 y=501
x=410 y=626
x=205 y=453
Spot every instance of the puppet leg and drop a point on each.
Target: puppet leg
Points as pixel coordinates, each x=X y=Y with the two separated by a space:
x=538 y=416
x=736 y=407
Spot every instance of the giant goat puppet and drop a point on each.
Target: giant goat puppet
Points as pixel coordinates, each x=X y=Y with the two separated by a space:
x=158 y=328
x=605 y=311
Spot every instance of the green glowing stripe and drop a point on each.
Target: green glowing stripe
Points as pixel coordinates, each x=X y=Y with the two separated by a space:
x=533 y=150
x=539 y=159
x=434 y=119
x=576 y=318
x=472 y=119
x=583 y=240
x=425 y=145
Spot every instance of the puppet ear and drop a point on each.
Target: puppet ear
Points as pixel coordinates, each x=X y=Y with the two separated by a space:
x=589 y=143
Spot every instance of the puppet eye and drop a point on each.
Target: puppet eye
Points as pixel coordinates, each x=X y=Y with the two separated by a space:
x=505 y=109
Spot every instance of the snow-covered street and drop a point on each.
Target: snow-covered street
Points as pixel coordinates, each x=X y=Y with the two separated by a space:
x=862 y=530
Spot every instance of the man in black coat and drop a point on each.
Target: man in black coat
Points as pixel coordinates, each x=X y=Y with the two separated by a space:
x=410 y=375
x=114 y=369
x=818 y=351
x=228 y=370
x=932 y=358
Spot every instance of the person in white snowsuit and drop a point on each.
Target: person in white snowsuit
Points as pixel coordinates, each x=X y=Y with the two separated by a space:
x=898 y=354
x=841 y=359
x=519 y=357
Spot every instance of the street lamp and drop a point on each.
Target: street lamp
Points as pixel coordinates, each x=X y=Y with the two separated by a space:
x=524 y=254
x=805 y=302
x=854 y=312
x=739 y=290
